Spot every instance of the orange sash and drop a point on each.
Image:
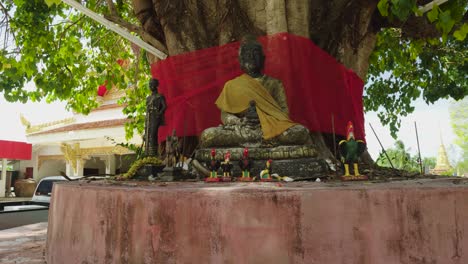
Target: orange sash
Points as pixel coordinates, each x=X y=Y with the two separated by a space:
x=237 y=94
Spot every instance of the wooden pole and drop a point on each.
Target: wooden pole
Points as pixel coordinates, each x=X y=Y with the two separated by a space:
x=383 y=149
x=431 y=5
x=334 y=142
x=111 y=26
x=419 y=150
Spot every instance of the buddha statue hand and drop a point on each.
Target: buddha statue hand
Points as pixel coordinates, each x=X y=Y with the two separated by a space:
x=251 y=117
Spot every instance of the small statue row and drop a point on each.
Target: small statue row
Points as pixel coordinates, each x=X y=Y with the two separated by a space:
x=245 y=164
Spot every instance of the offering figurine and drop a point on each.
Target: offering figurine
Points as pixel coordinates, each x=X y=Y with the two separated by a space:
x=226 y=166
x=245 y=164
x=173 y=170
x=214 y=166
x=265 y=175
x=351 y=149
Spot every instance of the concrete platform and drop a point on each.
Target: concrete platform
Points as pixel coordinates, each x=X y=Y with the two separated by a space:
x=420 y=221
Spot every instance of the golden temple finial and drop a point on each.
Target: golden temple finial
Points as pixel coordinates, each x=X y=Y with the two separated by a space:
x=24 y=121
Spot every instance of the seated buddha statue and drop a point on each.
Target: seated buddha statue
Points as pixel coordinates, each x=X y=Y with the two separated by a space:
x=254 y=109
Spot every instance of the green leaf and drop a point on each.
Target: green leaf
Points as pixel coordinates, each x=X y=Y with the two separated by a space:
x=461 y=33
x=446 y=22
x=383 y=7
x=52 y=2
x=433 y=14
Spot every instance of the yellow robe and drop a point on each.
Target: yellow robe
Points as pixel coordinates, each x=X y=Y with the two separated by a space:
x=237 y=94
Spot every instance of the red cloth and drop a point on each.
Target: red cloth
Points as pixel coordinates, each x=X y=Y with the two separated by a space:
x=316 y=85
x=15 y=150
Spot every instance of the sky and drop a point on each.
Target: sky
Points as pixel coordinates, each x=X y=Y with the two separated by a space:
x=432 y=121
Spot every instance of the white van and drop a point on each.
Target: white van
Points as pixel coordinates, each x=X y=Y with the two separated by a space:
x=44 y=188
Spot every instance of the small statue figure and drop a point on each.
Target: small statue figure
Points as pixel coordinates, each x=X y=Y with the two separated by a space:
x=155 y=107
x=351 y=149
x=172 y=171
x=226 y=166
x=214 y=167
x=265 y=175
x=172 y=150
x=245 y=164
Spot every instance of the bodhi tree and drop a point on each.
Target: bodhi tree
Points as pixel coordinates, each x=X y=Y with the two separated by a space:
x=402 y=50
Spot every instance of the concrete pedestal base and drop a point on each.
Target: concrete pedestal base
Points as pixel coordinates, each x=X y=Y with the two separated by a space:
x=421 y=221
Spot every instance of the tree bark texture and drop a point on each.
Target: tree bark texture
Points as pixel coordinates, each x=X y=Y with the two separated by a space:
x=343 y=28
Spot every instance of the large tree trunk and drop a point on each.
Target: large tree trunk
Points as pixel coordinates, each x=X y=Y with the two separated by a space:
x=343 y=28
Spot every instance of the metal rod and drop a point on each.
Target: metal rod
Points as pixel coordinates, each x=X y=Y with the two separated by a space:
x=383 y=149
x=419 y=149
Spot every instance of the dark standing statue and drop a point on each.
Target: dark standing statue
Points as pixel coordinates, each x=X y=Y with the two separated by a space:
x=155 y=107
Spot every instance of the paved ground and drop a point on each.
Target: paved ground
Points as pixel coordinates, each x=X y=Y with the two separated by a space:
x=23 y=245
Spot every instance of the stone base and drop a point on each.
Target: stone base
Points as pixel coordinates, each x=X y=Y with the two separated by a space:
x=421 y=221
x=209 y=179
x=148 y=170
x=354 y=178
x=294 y=161
x=171 y=174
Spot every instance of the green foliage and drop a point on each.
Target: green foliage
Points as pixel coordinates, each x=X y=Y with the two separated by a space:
x=444 y=17
x=459 y=121
x=400 y=158
x=67 y=56
x=403 y=69
x=138 y=149
x=430 y=162
x=139 y=163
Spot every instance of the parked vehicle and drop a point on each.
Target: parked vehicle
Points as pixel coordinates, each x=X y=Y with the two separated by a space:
x=36 y=210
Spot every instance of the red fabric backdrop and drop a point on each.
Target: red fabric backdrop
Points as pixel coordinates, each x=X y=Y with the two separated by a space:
x=317 y=86
x=15 y=150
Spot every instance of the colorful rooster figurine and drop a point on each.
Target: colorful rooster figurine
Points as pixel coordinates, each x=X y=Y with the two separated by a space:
x=226 y=166
x=265 y=175
x=245 y=164
x=214 y=166
x=351 y=149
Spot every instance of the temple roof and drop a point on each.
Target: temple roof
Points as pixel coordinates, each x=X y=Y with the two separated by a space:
x=84 y=126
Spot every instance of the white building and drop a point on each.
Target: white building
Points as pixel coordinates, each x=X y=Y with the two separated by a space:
x=80 y=145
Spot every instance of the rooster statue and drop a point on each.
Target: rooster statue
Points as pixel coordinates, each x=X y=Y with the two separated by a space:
x=351 y=149
x=245 y=164
x=214 y=166
x=265 y=175
x=226 y=166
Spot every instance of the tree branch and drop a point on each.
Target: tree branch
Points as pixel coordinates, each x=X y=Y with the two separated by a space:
x=136 y=29
x=112 y=8
x=7 y=18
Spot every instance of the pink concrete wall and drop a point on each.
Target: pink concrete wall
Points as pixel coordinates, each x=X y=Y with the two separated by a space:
x=194 y=223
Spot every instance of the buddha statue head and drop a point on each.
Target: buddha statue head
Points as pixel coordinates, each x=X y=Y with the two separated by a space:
x=251 y=56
